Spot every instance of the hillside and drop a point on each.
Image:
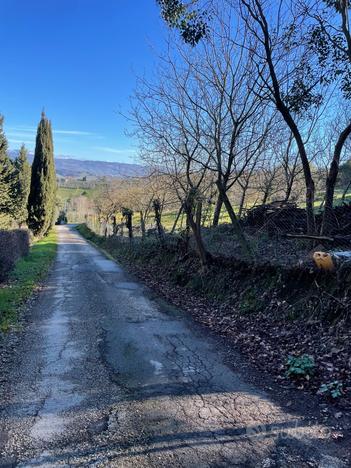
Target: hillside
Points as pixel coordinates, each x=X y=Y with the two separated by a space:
x=78 y=168
x=67 y=166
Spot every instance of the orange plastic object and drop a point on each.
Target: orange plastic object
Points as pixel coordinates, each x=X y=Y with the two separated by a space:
x=323 y=260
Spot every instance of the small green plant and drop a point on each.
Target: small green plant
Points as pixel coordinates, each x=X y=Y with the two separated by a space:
x=180 y=277
x=250 y=301
x=300 y=366
x=331 y=389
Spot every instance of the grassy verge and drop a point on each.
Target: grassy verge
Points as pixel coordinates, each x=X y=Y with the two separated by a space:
x=26 y=276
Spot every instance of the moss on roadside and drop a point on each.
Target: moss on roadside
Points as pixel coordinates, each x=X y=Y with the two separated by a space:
x=25 y=278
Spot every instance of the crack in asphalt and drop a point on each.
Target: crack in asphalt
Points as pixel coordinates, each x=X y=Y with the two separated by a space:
x=107 y=375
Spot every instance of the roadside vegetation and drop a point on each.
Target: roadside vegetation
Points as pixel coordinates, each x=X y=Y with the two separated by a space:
x=249 y=107
x=26 y=276
x=290 y=322
x=244 y=129
x=244 y=126
x=27 y=214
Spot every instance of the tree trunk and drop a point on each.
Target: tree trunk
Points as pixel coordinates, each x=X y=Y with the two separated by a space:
x=189 y=204
x=345 y=191
x=217 y=211
x=261 y=20
x=198 y=215
x=187 y=232
x=114 y=226
x=311 y=224
x=157 y=210
x=142 y=225
x=288 y=191
x=176 y=220
x=129 y=224
x=204 y=256
x=328 y=219
x=265 y=197
x=245 y=247
x=242 y=201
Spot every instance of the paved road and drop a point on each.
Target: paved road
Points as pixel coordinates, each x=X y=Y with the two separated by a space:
x=107 y=375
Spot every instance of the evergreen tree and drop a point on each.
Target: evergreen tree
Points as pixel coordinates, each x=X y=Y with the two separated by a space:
x=6 y=181
x=22 y=184
x=42 y=196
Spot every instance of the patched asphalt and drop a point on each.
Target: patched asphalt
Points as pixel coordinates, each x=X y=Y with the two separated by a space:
x=105 y=374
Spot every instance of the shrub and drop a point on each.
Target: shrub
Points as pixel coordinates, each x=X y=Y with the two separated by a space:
x=332 y=389
x=300 y=366
x=13 y=245
x=22 y=241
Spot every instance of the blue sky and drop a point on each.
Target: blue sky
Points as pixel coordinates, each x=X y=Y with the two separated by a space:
x=78 y=59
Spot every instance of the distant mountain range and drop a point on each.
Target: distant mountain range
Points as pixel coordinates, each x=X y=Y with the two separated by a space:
x=67 y=166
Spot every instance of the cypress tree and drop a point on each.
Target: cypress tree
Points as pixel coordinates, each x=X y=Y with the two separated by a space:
x=42 y=196
x=6 y=181
x=23 y=178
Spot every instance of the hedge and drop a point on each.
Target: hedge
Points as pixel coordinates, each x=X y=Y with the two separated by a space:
x=13 y=245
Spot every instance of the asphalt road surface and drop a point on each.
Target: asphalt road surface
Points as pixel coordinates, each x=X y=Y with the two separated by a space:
x=105 y=374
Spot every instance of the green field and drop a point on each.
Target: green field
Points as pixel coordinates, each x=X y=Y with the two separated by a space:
x=25 y=277
x=65 y=193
